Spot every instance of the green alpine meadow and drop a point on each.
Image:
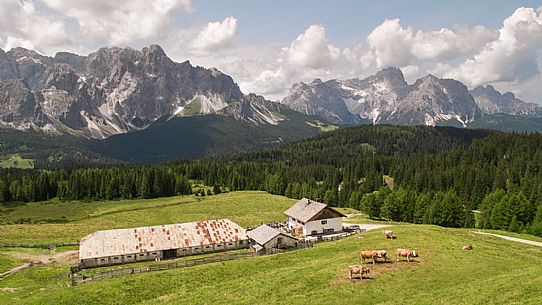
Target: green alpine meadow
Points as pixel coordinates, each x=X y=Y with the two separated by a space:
x=271 y=152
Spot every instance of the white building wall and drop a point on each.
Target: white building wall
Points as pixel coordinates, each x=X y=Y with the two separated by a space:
x=331 y=223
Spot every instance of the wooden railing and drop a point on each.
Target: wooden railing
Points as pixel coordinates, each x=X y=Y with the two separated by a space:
x=76 y=278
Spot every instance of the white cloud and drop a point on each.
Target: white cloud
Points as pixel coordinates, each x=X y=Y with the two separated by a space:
x=311 y=49
x=390 y=43
x=22 y=25
x=510 y=58
x=268 y=82
x=446 y=44
x=215 y=35
x=360 y=59
x=120 y=22
x=306 y=58
x=410 y=72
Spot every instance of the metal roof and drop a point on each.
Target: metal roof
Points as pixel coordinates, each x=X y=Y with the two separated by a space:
x=305 y=209
x=156 y=238
x=264 y=233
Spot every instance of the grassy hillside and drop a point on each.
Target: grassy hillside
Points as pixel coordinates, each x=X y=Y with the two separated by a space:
x=16 y=161
x=57 y=222
x=495 y=272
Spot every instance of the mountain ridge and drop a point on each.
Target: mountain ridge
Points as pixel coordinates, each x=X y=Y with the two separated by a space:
x=116 y=90
x=386 y=97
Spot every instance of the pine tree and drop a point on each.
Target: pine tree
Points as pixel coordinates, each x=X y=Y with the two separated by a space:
x=514 y=225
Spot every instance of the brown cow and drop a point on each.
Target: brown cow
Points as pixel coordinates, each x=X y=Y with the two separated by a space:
x=382 y=254
x=368 y=255
x=406 y=253
x=467 y=247
x=358 y=269
x=374 y=255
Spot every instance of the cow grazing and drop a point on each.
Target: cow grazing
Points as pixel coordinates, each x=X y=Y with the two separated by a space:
x=382 y=254
x=368 y=255
x=406 y=253
x=467 y=247
x=357 y=269
x=373 y=255
x=389 y=234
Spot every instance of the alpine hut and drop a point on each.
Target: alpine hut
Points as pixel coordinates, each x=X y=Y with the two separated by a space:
x=111 y=247
x=313 y=218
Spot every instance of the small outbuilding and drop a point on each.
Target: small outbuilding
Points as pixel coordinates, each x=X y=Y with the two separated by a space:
x=264 y=238
x=314 y=218
x=111 y=247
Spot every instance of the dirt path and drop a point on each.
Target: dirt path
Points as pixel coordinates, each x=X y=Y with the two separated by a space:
x=62 y=257
x=519 y=240
x=13 y=270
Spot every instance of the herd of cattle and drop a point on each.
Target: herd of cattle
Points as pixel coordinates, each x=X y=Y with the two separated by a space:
x=375 y=255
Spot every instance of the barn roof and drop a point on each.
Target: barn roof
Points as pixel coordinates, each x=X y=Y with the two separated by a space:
x=305 y=209
x=156 y=238
x=264 y=233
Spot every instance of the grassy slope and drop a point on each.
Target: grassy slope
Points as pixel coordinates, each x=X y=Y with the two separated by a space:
x=246 y=208
x=16 y=161
x=495 y=272
x=444 y=275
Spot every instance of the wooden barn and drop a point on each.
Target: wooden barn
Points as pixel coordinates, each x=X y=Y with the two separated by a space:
x=314 y=218
x=111 y=247
x=265 y=237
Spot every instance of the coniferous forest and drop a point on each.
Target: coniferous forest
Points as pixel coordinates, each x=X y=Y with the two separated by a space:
x=436 y=175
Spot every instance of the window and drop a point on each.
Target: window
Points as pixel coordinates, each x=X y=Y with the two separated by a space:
x=279 y=241
x=323 y=222
x=129 y=256
x=207 y=247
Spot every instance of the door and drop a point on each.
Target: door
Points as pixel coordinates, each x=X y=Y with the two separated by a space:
x=172 y=253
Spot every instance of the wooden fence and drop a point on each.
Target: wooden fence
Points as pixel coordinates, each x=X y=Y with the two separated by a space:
x=110 y=273
x=79 y=279
x=43 y=246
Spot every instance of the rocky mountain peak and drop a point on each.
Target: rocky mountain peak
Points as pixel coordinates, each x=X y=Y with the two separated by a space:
x=390 y=73
x=492 y=101
x=114 y=90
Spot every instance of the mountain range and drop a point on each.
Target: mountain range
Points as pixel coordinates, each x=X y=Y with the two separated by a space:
x=116 y=99
x=386 y=98
x=117 y=90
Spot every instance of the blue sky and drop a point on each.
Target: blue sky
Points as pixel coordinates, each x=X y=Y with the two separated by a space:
x=349 y=21
x=266 y=46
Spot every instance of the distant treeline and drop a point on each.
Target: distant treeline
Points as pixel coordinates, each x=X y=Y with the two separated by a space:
x=440 y=175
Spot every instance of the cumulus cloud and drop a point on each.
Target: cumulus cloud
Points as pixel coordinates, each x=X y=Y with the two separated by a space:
x=308 y=56
x=22 y=25
x=410 y=72
x=215 y=35
x=311 y=49
x=392 y=44
x=511 y=57
x=446 y=44
x=120 y=22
